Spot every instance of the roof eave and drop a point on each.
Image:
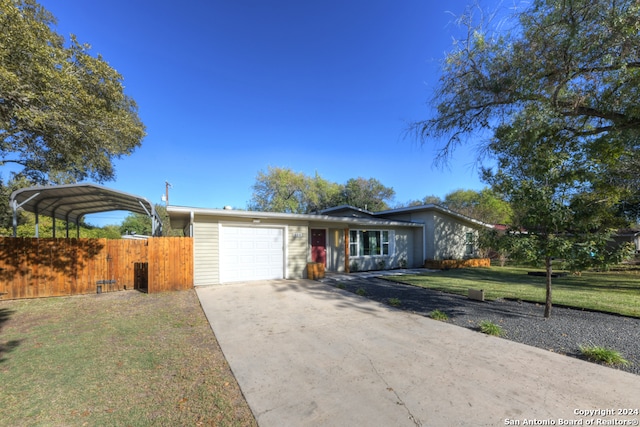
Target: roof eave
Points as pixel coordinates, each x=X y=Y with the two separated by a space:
x=289 y=216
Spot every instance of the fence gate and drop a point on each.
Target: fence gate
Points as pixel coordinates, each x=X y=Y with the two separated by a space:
x=141 y=276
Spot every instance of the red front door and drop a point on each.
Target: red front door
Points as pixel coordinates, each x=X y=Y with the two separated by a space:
x=319 y=246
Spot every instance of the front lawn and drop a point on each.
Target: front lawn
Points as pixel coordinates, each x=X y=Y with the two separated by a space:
x=612 y=292
x=121 y=359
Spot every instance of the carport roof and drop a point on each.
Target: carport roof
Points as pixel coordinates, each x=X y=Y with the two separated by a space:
x=73 y=201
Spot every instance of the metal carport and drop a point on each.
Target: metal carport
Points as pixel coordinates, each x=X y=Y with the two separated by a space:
x=73 y=201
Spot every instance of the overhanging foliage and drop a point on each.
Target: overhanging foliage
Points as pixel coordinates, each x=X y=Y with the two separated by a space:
x=63 y=112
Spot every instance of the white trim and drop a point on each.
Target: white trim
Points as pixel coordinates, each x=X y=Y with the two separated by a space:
x=239 y=214
x=424 y=244
x=391 y=247
x=285 y=250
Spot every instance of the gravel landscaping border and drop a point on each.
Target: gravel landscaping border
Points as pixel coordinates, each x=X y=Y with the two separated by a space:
x=564 y=332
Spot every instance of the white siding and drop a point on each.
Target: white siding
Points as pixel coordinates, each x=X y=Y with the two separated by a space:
x=423 y=243
x=205 y=252
x=450 y=238
x=298 y=252
x=444 y=236
x=403 y=249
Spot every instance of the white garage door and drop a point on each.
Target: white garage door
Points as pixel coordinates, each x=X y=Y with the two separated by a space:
x=251 y=253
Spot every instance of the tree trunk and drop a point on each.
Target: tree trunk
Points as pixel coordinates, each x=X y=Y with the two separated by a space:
x=547 y=306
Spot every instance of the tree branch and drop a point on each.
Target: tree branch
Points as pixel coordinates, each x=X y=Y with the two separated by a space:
x=23 y=163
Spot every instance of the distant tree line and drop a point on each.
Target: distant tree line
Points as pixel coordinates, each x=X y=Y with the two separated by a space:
x=283 y=190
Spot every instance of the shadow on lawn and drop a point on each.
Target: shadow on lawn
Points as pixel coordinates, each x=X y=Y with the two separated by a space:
x=5 y=314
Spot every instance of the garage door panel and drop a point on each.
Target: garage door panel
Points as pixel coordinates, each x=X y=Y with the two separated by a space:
x=243 y=244
x=263 y=259
x=244 y=260
x=251 y=253
x=262 y=245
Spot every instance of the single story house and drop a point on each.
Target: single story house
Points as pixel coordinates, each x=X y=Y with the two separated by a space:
x=236 y=245
x=628 y=235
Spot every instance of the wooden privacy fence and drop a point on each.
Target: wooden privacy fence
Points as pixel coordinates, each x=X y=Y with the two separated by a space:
x=35 y=268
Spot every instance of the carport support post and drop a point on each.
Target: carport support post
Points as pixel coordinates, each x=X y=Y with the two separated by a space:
x=14 y=205
x=346 y=250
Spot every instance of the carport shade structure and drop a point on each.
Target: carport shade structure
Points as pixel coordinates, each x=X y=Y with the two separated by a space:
x=73 y=201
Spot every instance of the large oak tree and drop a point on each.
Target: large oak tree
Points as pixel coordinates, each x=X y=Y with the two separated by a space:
x=368 y=194
x=62 y=110
x=556 y=90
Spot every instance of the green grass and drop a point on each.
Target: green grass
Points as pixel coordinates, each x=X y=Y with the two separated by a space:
x=121 y=358
x=490 y=328
x=395 y=302
x=612 y=292
x=603 y=355
x=439 y=315
x=361 y=291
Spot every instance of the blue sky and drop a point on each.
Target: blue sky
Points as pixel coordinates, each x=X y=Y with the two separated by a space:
x=228 y=88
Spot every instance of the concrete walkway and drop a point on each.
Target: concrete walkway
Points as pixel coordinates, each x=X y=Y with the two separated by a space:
x=307 y=354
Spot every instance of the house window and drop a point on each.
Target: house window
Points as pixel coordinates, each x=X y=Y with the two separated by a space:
x=469 y=244
x=353 y=243
x=368 y=242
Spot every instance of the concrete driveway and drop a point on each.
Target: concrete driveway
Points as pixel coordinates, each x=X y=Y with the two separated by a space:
x=307 y=354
